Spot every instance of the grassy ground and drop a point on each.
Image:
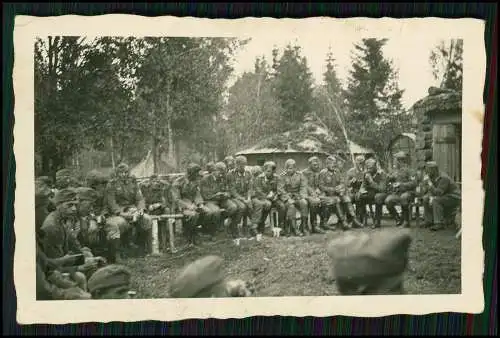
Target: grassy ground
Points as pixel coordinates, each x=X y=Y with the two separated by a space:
x=298 y=266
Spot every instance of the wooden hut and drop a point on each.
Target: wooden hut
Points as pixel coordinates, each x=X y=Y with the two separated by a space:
x=403 y=142
x=439 y=136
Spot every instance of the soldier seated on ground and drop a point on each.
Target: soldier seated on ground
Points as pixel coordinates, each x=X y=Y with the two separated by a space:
x=217 y=198
x=442 y=199
x=371 y=263
x=50 y=283
x=401 y=188
x=58 y=235
x=292 y=187
x=125 y=199
x=266 y=197
x=372 y=191
x=204 y=278
x=110 y=282
x=187 y=198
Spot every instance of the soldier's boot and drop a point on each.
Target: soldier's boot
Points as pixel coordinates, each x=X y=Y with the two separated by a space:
x=352 y=214
x=304 y=226
x=114 y=255
x=394 y=213
x=405 y=216
x=315 y=229
x=378 y=216
x=292 y=224
x=342 y=217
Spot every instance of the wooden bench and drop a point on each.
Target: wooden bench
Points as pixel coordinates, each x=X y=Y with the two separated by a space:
x=171 y=219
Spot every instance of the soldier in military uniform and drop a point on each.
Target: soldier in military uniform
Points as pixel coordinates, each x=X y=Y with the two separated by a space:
x=124 y=198
x=354 y=178
x=187 y=198
x=372 y=190
x=265 y=197
x=313 y=195
x=210 y=167
x=98 y=232
x=402 y=183
x=110 y=282
x=292 y=188
x=216 y=196
x=58 y=234
x=230 y=163
x=66 y=178
x=334 y=195
x=443 y=197
x=240 y=182
x=109 y=225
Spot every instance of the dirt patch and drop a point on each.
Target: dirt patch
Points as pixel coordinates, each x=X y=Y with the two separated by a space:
x=298 y=266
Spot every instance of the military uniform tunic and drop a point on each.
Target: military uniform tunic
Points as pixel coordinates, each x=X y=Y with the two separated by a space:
x=262 y=202
x=293 y=192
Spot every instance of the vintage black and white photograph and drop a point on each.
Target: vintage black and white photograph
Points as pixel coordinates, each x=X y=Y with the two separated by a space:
x=252 y=165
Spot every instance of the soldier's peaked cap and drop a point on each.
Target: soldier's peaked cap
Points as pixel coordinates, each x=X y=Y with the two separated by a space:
x=122 y=167
x=65 y=195
x=362 y=257
x=86 y=194
x=95 y=176
x=197 y=276
x=111 y=276
x=64 y=173
x=289 y=162
x=431 y=164
x=193 y=168
x=220 y=166
x=313 y=159
x=331 y=158
x=241 y=159
x=270 y=164
x=400 y=154
x=359 y=158
x=370 y=162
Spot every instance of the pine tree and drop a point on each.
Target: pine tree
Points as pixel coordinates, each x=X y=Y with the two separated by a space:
x=446 y=62
x=332 y=83
x=293 y=85
x=373 y=97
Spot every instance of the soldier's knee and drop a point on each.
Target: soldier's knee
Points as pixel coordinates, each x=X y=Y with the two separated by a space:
x=303 y=206
x=232 y=209
x=391 y=200
x=406 y=198
x=345 y=199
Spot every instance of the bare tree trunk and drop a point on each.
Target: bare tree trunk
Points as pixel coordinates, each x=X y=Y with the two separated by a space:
x=112 y=153
x=171 y=147
x=155 y=153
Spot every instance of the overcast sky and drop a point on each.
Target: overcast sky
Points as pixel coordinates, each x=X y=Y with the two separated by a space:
x=410 y=56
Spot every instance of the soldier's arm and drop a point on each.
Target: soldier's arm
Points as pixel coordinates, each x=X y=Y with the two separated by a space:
x=232 y=186
x=323 y=186
x=442 y=186
x=176 y=194
x=207 y=189
x=303 y=186
x=282 y=193
x=51 y=238
x=251 y=191
x=114 y=208
x=198 y=199
x=257 y=188
x=411 y=183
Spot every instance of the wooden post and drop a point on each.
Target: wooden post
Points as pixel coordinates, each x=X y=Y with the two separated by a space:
x=155 y=244
x=171 y=234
